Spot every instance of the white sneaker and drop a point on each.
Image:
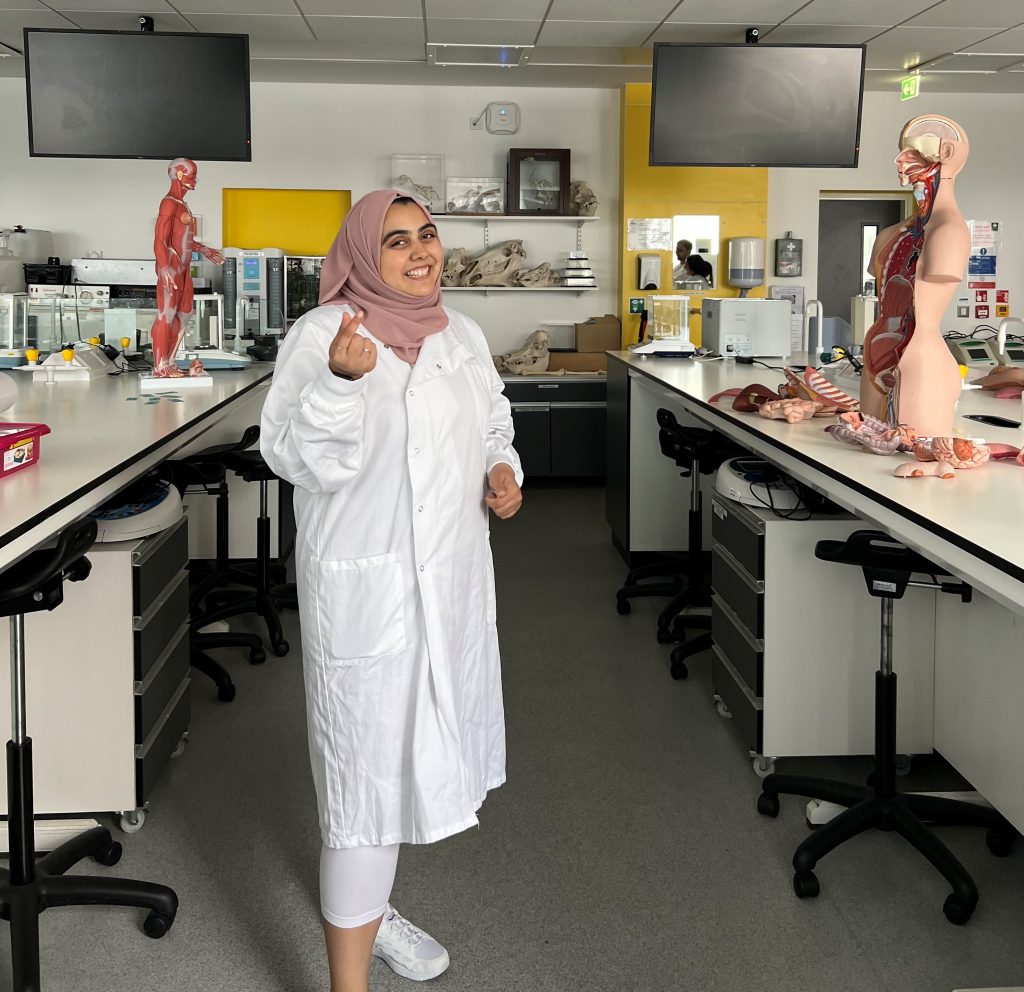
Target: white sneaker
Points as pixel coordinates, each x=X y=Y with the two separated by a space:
x=407 y=950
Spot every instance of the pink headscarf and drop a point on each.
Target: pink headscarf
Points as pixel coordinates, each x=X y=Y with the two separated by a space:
x=351 y=274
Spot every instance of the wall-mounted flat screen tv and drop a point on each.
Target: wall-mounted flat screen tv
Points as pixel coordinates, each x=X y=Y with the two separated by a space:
x=136 y=94
x=758 y=105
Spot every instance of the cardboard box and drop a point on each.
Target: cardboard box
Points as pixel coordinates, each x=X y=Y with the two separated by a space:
x=599 y=334
x=578 y=361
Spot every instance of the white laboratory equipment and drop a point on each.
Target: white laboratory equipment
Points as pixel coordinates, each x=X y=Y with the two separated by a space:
x=13 y=322
x=863 y=313
x=746 y=263
x=204 y=338
x=753 y=328
x=255 y=275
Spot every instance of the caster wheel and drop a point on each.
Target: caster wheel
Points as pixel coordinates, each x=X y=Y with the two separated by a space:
x=131 y=822
x=623 y=607
x=768 y=805
x=281 y=648
x=225 y=693
x=999 y=842
x=763 y=767
x=157 y=925
x=904 y=762
x=179 y=748
x=665 y=636
x=110 y=856
x=805 y=884
x=956 y=911
x=723 y=710
x=679 y=670
x=257 y=656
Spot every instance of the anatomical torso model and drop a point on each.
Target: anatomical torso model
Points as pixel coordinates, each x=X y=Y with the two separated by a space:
x=173 y=244
x=910 y=376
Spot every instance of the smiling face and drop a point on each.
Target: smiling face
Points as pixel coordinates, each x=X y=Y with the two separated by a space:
x=411 y=257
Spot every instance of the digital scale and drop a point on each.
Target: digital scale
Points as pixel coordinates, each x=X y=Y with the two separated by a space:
x=753 y=481
x=978 y=353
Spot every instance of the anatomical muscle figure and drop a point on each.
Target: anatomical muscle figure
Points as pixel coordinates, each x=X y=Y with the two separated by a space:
x=910 y=376
x=173 y=244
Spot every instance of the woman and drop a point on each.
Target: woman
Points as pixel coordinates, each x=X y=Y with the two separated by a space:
x=698 y=268
x=397 y=437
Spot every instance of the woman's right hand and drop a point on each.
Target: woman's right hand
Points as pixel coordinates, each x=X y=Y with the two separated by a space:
x=351 y=354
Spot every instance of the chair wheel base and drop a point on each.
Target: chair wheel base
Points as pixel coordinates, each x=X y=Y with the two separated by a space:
x=768 y=805
x=157 y=924
x=257 y=656
x=805 y=883
x=679 y=670
x=999 y=842
x=281 y=648
x=956 y=910
x=623 y=607
x=225 y=693
x=110 y=856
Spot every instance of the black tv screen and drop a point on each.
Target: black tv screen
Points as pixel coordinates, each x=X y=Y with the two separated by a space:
x=128 y=94
x=759 y=105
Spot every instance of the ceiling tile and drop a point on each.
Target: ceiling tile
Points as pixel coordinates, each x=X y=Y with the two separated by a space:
x=906 y=46
x=620 y=34
x=1007 y=41
x=455 y=31
x=363 y=8
x=327 y=51
x=126 y=21
x=188 y=7
x=151 y=7
x=12 y=21
x=751 y=13
x=21 y=5
x=886 y=12
x=291 y=28
x=700 y=34
x=610 y=10
x=372 y=30
x=524 y=10
x=972 y=63
x=992 y=15
x=822 y=34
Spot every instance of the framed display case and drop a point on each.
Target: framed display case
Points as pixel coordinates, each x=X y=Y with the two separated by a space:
x=474 y=196
x=538 y=181
x=421 y=176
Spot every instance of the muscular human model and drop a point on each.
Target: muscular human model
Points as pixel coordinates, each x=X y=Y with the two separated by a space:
x=910 y=375
x=173 y=244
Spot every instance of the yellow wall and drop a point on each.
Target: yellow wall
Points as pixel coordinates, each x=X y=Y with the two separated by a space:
x=299 y=221
x=738 y=196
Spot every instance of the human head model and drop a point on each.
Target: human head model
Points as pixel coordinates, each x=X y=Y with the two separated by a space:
x=931 y=144
x=184 y=170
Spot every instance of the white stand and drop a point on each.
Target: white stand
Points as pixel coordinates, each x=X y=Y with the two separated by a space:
x=149 y=383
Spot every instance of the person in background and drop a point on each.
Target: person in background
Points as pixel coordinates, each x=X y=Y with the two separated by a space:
x=683 y=249
x=696 y=267
x=387 y=416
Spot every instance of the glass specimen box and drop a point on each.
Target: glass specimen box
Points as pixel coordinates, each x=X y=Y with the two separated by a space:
x=538 y=181
x=668 y=317
x=474 y=196
x=421 y=176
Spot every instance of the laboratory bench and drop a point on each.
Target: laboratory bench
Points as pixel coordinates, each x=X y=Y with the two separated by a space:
x=969 y=685
x=559 y=423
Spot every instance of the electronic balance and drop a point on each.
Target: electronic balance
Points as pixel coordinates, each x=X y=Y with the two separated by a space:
x=975 y=353
x=753 y=481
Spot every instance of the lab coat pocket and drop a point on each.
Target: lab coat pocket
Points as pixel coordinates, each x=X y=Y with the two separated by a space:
x=360 y=613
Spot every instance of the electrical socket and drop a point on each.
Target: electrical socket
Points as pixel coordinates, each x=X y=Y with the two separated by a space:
x=477 y=123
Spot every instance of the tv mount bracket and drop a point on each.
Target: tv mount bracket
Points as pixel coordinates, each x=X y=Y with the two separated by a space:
x=145 y=23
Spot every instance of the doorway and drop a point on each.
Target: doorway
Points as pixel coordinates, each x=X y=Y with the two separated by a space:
x=847 y=226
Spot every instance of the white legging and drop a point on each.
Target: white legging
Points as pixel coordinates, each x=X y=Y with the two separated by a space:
x=355 y=883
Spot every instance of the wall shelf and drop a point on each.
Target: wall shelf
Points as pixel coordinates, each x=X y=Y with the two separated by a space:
x=519 y=218
x=519 y=289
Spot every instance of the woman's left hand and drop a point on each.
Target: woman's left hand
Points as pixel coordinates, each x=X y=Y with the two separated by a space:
x=505 y=497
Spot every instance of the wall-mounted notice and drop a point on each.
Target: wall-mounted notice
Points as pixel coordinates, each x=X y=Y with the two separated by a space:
x=649 y=234
x=984 y=233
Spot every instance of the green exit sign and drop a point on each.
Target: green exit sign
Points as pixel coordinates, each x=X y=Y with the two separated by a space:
x=910 y=87
x=636 y=304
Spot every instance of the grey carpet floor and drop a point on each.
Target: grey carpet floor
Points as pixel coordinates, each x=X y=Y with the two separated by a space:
x=624 y=852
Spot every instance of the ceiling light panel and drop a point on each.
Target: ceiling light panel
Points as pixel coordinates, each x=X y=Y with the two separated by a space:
x=498 y=56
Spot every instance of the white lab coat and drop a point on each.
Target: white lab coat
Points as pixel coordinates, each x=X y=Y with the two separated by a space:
x=395 y=581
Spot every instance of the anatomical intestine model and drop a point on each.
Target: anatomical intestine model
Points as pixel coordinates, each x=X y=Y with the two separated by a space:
x=173 y=244
x=910 y=376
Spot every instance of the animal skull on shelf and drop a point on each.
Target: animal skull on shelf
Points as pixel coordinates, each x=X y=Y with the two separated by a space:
x=541 y=275
x=455 y=264
x=532 y=357
x=498 y=266
x=427 y=193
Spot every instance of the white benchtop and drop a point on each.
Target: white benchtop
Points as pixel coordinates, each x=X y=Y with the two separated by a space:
x=970 y=524
x=104 y=435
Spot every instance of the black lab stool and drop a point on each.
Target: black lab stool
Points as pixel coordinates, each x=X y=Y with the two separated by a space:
x=31 y=885
x=887 y=568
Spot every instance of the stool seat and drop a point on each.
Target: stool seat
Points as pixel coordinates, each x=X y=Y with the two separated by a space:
x=35 y=582
x=215 y=452
x=887 y=564
x=250 y=465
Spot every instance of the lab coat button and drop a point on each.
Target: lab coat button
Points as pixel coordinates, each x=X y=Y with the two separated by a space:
x=421 y=568
x=412 y=393
x=419 y=508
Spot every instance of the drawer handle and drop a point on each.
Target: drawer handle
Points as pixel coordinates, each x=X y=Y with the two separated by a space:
x=531 y=407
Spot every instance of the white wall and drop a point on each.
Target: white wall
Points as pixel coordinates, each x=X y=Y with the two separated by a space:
x=326 y=136
x=985 y=189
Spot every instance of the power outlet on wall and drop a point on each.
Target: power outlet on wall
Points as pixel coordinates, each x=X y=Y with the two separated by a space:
x=477 y=123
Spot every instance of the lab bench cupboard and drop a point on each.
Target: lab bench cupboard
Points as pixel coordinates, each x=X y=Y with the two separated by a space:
x=560 y=426
x=796 y=639
x=107 y=678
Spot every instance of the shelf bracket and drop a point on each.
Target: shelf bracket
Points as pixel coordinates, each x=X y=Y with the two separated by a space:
x=579 y=235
